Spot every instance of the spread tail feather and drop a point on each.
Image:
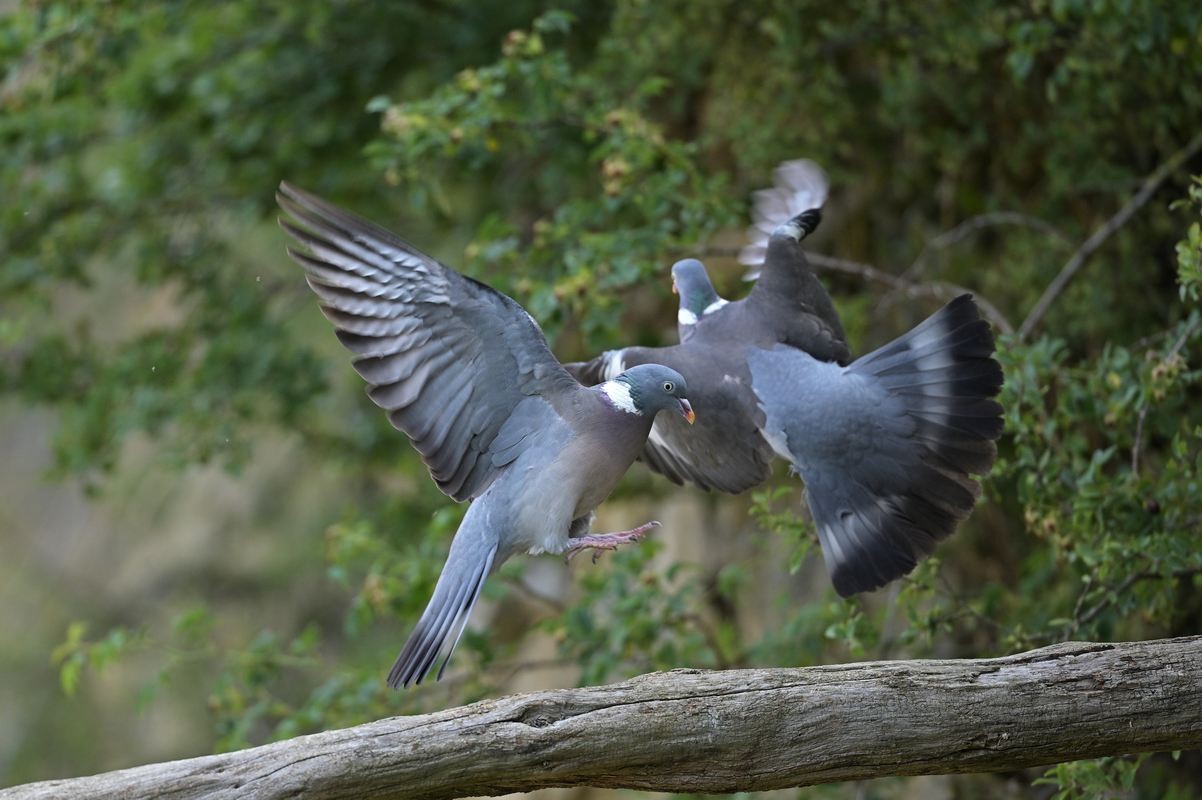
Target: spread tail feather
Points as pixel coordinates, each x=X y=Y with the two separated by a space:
x=442 y=623
x=887 y=445
x=888 y=512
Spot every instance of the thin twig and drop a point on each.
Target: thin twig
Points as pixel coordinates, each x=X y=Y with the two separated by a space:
x=868 y=272
x=1138 y=444
x=1079 y=620
x=1078 y=259
x=1080 y=604
x=966 y=607
x=1182 y=339
x=1113 y=595
x=973 y=224
x=940 y=289
x=963 y=231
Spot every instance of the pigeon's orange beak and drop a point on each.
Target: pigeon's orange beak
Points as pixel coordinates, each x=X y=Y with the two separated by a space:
x=674 y=287
x=686 y=411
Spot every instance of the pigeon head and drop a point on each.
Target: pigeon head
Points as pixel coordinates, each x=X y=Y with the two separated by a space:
x=649 y=389
x=697 y=295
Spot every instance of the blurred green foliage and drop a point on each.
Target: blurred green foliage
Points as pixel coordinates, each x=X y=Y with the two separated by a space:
x=567 y=156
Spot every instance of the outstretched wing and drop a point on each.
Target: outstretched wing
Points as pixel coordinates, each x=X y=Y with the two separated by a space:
x=460 y=368
x=723 y=450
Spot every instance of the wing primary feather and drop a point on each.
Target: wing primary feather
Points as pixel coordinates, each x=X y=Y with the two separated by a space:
x=411 y=320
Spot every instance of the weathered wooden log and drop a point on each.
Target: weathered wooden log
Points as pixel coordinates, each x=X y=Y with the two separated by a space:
x=736 y=730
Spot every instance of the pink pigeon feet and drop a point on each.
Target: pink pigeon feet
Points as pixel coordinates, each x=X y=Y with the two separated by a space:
x=606 y=541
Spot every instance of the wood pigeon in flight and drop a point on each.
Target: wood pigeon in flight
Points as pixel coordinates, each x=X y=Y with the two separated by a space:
x=886 y=444
x=466 y=373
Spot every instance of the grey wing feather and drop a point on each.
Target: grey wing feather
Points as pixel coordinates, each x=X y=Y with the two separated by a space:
x=451 y=359
x=788 y=290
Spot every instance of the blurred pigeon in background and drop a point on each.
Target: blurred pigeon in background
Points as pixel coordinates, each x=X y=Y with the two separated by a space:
x=466 y=373
x=886 y=444
x=697 y=295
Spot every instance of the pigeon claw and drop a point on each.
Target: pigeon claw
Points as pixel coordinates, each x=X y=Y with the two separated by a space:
x=597 y=542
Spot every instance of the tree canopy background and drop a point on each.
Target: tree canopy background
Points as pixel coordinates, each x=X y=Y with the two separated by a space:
x=213 y=540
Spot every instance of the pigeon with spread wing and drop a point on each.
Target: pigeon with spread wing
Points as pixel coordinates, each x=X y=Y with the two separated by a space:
x=466 y=373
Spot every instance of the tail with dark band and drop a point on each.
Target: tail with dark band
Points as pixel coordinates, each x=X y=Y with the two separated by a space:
x=437 y=633
x=945 y=377
x=887 y=445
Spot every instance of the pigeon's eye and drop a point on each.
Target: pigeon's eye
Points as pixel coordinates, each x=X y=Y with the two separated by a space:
x=669 y=387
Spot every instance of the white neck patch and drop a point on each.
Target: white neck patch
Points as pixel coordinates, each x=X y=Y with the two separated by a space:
x=714 y=306
x=619 y=396
x=686 y=317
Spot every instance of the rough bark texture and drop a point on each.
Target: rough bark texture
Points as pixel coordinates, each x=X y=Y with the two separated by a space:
x=699 y=731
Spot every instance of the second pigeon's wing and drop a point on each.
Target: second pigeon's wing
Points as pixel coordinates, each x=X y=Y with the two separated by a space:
x=787 y=296
x=797 y=186
x=460 y=368
x=723 y=449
